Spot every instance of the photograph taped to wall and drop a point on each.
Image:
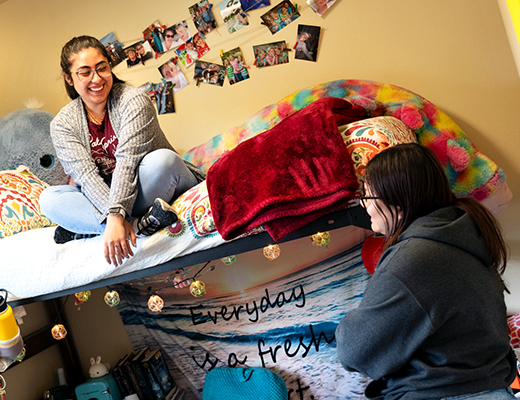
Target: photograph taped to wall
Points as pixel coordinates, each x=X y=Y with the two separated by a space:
x=234 y=17
x=176 y=35
x=149 y=89
x=192 y=50
x=114 y=49
x=320 y=6
x=279 y=16
x=307 y=40
x=248 y=5
x=236 y=69
x=187 y=54
x=132 y=56
x=210 y=73
x=269 y=54
x=144 y=50
x=202 y=15
x=164 y=97
x=171 y=72
x=154 y=34
x=200 y=44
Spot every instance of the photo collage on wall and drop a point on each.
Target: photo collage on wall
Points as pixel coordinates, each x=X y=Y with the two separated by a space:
x=236 y=69
x=202 y=17
x=211 y=73
x=233 y=15
x=280 y=16
x=320 y=6
x=307 y=40
x=186 y=49
x=269 y=54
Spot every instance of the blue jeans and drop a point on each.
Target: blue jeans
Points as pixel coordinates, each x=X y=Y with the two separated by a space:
x=162 y=173
x=500 y=394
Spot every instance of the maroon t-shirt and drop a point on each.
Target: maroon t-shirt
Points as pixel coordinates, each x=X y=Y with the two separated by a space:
x=103 y=145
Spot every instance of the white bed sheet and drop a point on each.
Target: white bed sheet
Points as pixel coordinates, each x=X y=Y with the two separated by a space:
x=31 y=264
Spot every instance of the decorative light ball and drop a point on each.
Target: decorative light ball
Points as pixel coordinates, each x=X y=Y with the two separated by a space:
x=58 y=332
x=21 y=356
x=197 y=288
x=272 y=251
x=320 y=239
x=155 y=303
x=229 y=259
x=111 y=298
x=83 y=296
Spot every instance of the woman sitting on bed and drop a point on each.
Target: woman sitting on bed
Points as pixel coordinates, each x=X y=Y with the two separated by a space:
x=432 y=321
x=109 y=141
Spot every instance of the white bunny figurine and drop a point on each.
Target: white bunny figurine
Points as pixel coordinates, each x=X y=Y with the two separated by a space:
x=97 y=368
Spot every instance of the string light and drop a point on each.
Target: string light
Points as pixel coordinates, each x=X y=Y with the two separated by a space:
x=2 y=387
x=21 y=356
x=83 y=296
x=197 y=288
x=272 y=251
x=111 y=298
x=229 y=259
x=155 y=303
x=320 y=239
x=58 y=332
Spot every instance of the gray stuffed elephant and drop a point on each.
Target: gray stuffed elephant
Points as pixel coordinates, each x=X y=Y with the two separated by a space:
x=25 y=140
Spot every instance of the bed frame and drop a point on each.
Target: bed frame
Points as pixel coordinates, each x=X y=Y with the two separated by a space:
x=356 y=216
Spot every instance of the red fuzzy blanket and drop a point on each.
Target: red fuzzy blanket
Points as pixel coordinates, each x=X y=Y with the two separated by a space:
x=287 y=176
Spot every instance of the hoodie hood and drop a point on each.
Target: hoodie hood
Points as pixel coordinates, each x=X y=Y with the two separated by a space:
x=450 y=226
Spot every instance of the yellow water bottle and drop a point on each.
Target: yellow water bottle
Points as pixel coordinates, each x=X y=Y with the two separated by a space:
x=11 y=342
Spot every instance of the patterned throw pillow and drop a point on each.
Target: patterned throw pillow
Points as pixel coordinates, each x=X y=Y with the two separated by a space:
x=365 y=138
x=19 y=206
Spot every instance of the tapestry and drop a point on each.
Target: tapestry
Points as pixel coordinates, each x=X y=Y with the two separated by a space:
x=286 y=324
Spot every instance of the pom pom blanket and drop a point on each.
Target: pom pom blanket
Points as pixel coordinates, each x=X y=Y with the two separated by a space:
x=471 y=173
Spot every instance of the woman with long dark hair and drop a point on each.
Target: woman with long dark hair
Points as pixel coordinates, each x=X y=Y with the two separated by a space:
x=109 y=141
x=432 y=321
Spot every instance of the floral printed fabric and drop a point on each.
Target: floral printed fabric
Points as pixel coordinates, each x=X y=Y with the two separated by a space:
x=19 y=206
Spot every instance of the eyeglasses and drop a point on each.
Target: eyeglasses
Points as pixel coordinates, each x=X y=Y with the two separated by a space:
x=169 y=35
x=364 y=200
x=104 y=70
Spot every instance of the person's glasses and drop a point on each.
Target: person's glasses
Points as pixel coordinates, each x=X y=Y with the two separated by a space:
x=365 y=200
x=103 y=70
x=170 y=35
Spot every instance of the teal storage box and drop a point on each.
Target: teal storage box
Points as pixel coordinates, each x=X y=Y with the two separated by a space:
x=103 y=388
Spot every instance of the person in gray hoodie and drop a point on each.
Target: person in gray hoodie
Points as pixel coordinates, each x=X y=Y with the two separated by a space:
x=432 y=321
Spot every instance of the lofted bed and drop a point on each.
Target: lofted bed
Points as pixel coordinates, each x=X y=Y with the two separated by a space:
x=365 y=117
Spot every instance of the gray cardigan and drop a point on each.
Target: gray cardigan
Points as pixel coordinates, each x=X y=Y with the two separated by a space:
x=134 y=120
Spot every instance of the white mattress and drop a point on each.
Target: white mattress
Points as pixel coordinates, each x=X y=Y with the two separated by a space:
x=31 y=264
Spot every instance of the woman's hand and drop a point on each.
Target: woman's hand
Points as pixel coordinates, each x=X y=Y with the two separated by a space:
x=116 y=245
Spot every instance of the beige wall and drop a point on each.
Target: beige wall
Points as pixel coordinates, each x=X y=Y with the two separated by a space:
x=28 y=380
x=454 y=53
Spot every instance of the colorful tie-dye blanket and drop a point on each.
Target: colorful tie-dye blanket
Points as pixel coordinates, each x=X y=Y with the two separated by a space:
x=470 y=172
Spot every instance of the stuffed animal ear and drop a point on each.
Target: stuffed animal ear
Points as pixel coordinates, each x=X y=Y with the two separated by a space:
x=98 y=359
x=92 y=361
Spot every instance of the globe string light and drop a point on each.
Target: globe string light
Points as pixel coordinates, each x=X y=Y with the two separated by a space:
x=320 y=239
x=272 y=251
x=111 y=298
x=83 y=296
x=155 y=303
x=229 y=259
x=58 y=332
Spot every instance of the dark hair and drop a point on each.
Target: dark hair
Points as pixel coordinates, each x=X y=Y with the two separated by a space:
x=410 y=178
x=74 y=46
